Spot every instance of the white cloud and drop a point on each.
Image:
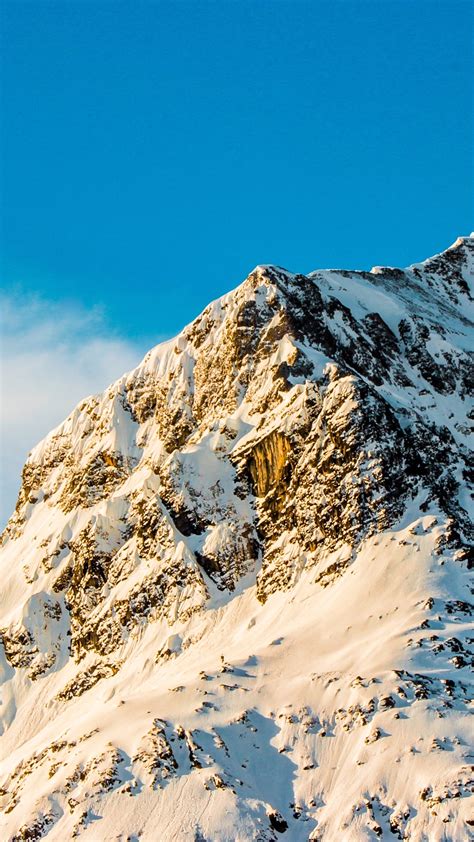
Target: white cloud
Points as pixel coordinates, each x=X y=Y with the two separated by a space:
x=53 y=355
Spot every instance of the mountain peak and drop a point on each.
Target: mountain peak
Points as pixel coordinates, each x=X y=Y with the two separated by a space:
x=195 y=576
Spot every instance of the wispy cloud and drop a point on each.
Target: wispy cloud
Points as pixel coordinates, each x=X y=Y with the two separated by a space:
x=53 y=355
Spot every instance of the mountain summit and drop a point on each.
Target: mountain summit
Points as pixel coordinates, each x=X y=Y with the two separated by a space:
x=235 y=594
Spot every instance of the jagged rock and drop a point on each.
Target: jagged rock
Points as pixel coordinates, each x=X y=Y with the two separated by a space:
x=156 y=754
x=277 y=821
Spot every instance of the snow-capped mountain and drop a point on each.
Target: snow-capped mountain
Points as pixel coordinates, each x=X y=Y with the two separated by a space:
x=234 y=591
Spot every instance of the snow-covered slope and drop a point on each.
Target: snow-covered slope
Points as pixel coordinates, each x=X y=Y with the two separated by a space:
x=235 y=595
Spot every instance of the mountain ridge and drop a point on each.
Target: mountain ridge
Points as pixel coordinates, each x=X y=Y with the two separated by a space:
x=302 y=430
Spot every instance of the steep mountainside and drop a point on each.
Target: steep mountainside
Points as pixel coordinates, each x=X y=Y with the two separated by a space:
x=235 y=588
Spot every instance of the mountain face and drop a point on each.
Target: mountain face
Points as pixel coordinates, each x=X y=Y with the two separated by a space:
x=235 y=588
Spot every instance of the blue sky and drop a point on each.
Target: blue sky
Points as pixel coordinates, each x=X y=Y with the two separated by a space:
x=152 y=153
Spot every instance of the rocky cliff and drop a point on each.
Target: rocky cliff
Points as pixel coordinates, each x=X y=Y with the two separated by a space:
x=239 y=577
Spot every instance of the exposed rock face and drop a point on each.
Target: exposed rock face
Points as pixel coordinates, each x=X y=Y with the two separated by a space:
x=268 y=464
x=302 y=426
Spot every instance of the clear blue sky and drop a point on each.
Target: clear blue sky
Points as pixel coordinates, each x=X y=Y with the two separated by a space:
x=154 y=152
